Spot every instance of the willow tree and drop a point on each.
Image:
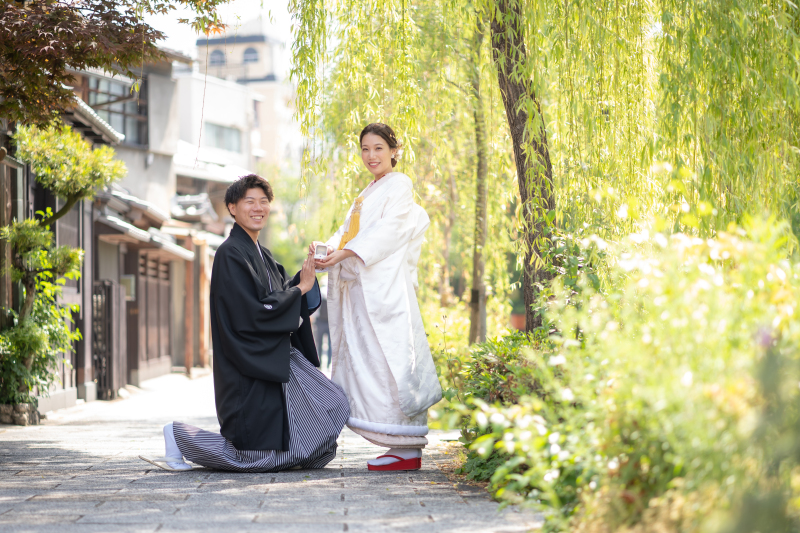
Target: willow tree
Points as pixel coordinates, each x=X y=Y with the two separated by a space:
x=531 y=152
x=620 y=115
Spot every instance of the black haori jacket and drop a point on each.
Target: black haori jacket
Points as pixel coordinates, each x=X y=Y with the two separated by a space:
x=255 y=313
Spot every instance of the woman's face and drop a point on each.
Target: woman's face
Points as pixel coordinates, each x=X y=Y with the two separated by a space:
x=376 y=154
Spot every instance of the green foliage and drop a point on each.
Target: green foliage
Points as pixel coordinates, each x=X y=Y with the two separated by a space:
x=571 y=257
x=666 y=402
x=26 y=237
x=681 y=112
x=31 y=244
x=30 y=351
x=497 y=371
x=65 y=163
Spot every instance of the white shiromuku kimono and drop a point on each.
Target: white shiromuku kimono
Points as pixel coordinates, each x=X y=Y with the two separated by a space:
x=381 y=356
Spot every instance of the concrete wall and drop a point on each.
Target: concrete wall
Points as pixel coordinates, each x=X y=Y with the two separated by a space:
x=151 y=175
x=281 y=140
x=163 y=118
x=220 y=102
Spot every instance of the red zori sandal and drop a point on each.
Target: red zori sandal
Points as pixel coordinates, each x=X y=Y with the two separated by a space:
x=401 y=464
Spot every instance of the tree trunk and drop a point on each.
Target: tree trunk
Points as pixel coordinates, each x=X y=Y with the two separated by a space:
x=66 y=208
x=531 y=155
x=477 y=322
x=29 y=282
x=444 y=280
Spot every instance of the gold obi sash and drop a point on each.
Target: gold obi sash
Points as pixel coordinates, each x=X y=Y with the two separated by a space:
x=355 y=221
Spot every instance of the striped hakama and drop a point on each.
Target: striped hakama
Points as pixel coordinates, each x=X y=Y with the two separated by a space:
x=317 y=409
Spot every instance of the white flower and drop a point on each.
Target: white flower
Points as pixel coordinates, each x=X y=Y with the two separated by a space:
x=554 y=449
x=553 y=438
x=567 y=395
x=556 y=360
x=551 y=475
x=686 y=380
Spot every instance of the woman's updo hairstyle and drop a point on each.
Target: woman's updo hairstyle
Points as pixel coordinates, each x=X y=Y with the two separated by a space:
x=386 y=133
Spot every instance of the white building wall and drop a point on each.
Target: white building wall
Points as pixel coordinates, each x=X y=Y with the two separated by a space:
x=204 y=100
x=151 y=174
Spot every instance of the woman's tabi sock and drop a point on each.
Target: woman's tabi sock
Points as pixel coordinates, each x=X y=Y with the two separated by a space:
x=405 y=453
x=171 y=449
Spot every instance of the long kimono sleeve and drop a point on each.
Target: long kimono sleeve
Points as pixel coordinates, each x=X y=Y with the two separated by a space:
x=382 y=239
x=250 y=320
x=313 y=298
x=334 y=241
x=303 y=339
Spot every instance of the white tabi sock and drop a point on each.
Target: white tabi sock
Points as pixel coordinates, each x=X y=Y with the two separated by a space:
x=171 y=449
x=405 y=453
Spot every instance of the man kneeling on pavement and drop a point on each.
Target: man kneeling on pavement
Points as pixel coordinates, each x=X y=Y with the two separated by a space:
x=276 y=410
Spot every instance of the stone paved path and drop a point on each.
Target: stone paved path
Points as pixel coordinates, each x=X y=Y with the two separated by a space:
x=79 y=472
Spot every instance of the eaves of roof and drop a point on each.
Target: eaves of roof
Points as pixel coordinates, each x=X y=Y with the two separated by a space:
x=151 y=210
x=90 y=119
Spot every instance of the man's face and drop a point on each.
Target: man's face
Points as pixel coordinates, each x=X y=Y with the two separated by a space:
x=251 y=212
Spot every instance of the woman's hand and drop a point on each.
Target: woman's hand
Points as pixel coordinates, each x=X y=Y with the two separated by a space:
x=307 y=275
x=335 y=257
x=312 y=248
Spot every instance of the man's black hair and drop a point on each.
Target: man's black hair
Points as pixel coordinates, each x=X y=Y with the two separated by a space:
x=239 y=188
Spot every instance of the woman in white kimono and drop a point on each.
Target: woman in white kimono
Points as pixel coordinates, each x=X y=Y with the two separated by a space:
x=381 y=356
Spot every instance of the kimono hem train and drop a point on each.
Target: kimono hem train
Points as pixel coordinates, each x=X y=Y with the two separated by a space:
x=381 y=356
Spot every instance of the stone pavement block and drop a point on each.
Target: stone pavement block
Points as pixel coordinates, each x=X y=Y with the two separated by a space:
x=59 y=507
x=255 y=528
x=297 y=519
x=222 y=503
x=83 y=528
x=12 y=483
x=36 y=518
x=130 y=516
x=220 y=506
x=10 y=497
x=146 y=496
x=421 y=523
x=408 y=507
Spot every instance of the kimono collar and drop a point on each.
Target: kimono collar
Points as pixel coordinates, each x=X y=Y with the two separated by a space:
x=238 y=233
x=374 y=184
x=263 y=263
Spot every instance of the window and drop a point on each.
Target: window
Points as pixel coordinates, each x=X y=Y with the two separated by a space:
x=250 y=56
x=222 y=137
x=128 y=112
x=217 y=58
